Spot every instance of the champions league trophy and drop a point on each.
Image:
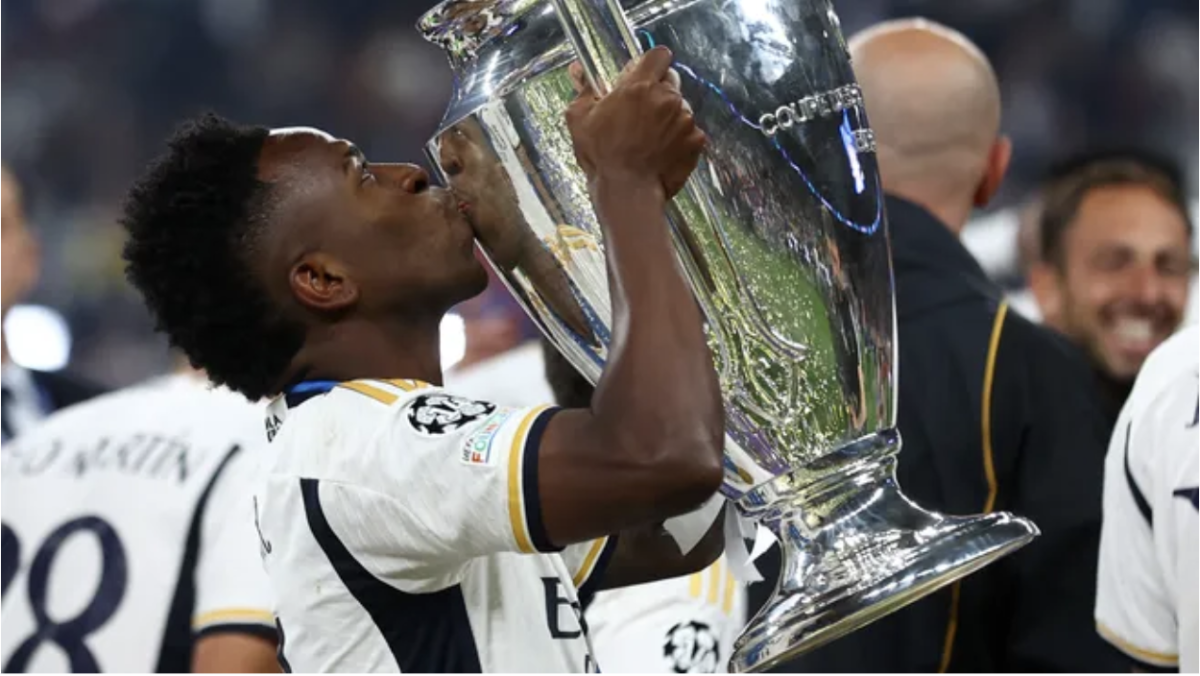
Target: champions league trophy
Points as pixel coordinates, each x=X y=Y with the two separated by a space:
x=782 y=234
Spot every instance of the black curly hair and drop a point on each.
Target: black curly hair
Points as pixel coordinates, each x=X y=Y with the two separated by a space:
x=194 y=221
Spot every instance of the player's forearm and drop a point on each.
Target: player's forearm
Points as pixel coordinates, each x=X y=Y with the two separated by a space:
x=235 y=653
x=660 y=392
x=649 y=554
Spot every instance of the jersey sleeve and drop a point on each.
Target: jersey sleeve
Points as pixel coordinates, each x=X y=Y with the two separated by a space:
x=232 y=589
x=682 y=625
x=1134 y=608
x=587 y=563
x=446 y=480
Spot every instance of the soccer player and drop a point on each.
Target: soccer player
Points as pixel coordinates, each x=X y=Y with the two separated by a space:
x=405 y=528
x=1147 y=596
x=128 y=536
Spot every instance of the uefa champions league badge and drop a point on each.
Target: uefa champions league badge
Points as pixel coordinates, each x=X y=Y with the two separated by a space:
x=477 y=450
x=434 y=415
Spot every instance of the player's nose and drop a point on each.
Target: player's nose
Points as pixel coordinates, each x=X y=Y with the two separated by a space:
x=409 y=177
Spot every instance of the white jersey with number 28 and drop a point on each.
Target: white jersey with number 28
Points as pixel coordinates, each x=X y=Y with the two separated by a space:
x=128 y=531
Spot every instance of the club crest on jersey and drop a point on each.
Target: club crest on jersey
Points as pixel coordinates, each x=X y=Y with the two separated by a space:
x=692 y=648
x=478 y=448
x=438 y=414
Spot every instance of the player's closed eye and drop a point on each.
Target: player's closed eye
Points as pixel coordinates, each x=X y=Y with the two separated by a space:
x=367 y=175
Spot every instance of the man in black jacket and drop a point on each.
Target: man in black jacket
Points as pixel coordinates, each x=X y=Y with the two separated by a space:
x=995 y=412
x=28 y=396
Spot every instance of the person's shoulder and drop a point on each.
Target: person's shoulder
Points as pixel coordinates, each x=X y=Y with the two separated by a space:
x=1174 y=360
x=106 y=408
x=411 y=405
x=168 y=405
x=1167 y=384
x=345 y=432
x=66 y=389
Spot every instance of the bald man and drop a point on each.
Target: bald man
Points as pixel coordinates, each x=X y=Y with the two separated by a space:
x=1036 y=447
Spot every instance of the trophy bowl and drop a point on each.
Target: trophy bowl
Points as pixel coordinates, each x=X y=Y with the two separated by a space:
x=782 y=234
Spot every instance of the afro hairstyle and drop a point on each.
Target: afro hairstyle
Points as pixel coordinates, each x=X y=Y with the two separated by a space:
x=194 y=220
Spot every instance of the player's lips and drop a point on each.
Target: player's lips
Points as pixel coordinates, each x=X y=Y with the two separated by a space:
x=456 y=202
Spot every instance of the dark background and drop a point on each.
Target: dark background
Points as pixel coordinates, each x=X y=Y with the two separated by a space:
x=93 y=86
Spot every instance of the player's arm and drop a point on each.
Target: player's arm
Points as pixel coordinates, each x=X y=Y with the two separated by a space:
x=649 y=447
x=235 y=654
x=650 y=553
x=233 y=623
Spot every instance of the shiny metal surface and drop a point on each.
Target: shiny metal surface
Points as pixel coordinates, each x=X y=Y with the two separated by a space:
x=783 y=237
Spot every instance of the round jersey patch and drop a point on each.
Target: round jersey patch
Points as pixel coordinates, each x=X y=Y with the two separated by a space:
x=692 y=648
x=438 y=414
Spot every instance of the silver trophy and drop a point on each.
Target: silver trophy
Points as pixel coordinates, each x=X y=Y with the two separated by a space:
x=783 y=237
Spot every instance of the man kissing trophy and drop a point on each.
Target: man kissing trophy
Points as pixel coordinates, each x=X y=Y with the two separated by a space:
x=782 y=234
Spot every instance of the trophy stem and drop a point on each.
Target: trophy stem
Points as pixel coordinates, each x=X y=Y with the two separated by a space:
x=854 y=549
x=602 y=37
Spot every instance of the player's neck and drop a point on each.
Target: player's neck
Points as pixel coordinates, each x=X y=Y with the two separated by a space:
x=354 y=350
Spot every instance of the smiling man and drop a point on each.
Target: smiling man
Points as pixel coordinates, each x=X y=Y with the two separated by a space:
x=1115 y=262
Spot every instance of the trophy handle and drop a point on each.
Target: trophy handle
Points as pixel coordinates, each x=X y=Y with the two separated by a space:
x=602 y=37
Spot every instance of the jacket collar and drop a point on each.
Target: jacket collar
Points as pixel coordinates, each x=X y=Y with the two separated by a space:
x=931 y=265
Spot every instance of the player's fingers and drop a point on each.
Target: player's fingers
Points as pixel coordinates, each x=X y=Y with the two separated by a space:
x=579 y=79
x=673 y=80
x=578 y=110
x=653 y=66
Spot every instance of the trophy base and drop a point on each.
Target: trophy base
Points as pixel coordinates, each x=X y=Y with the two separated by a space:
x=854 y=549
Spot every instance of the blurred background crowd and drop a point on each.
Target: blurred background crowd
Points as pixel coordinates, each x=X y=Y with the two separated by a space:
x=93 y=86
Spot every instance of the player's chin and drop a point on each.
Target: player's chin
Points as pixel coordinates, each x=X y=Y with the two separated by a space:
x=470 y=274
x=478 y=281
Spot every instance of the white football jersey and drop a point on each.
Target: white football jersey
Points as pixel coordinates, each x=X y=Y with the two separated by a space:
x=685 y=625
x=1147 y=592
x=128 y=531
x=402 y=532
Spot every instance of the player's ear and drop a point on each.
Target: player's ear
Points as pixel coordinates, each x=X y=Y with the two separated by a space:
x=320 y=282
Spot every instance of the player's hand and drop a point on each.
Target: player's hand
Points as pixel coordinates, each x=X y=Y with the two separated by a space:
x=643 y=130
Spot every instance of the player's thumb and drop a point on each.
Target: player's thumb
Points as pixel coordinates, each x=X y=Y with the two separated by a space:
x=653 y=66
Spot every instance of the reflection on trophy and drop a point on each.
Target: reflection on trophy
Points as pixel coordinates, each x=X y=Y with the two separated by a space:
x=782 y=234
x=477 y=176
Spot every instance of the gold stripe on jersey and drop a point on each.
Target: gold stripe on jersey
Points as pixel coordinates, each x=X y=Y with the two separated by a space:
x=730 y=590
x=364 y=387
x=1150 y=657
x=714 y=583
x=233 y=616
x=589 y=562
x=516 y=503
x=407 y=384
